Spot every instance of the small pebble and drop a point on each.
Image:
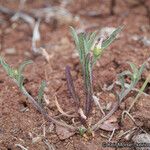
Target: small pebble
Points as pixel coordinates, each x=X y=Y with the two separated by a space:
x=36 y=139
x=146 y=41
x=142 y=138
x=112 y=96
x=10 y=51
x=27 y=54
x=108 y=106
x=122 y=106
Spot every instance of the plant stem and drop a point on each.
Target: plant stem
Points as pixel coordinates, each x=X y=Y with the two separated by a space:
x=88 y=69
x=112 y=111
x=43 y=112
x=71 y=87
x=140 y=92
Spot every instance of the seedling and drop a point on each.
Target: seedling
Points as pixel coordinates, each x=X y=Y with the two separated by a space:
x=15 y=74
x=140 y=92
x=136 y=98
x=82 y=130
x=18 y=78
x=89 y=52
x=134 y=76
x=41 y=91
x=90 y=49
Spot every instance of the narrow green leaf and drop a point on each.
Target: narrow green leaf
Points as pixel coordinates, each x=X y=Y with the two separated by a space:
x=141 y=70
x=20 y=78
x=75 y=37
x=122 y=81
x=112 y=37
x=91 y=40
x=82 y=52
x=7 y=68
x=135 y=76
x=86 y=48
x=41 y=91
x=126 y=72
x=133 y=67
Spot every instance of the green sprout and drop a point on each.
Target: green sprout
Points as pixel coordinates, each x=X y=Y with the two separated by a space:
x=18 y=78
x=136 y=98
x=90 y=50
x=41 y=92
x=134 y=76
x=82 y=130
x=16 y=74
x=140 y=92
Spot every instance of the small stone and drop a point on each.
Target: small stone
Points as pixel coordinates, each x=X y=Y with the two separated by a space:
x=63 y=133
x=27 y=54
x=25 y=109
x=10 y=51
x=147 y=67
x=136 y=37
x=128 y=136
x=142 y=138
x=122 y=106
x=75 y=55
x=51 y=128
x=112 y=96
x=14 y=25
x=36 y=139
x=108 y=106
x=146 y=41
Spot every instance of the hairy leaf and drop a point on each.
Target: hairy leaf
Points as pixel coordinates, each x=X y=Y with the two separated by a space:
x=71 y=87
x=82 y=52
x=112 y=37
x=141 y=70
x=85 y=44
x=75 y=37
x=11 y=72
x=41 y=91
x=133 y=67
x=135 y=76
x=90 y=39
x=20 y=78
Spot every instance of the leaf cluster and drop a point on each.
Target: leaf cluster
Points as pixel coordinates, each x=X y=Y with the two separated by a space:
x=90 y=50
x=134 y=76
x=17 y=76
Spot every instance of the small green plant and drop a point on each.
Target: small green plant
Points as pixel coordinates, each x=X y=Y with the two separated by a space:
x=89 y=52
x=140 y=92
x=90 y=49
x=82 y=130
x=16 y=74
x=18 y=78
x=134 y=76
x=136 y=98
x=41 y=92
